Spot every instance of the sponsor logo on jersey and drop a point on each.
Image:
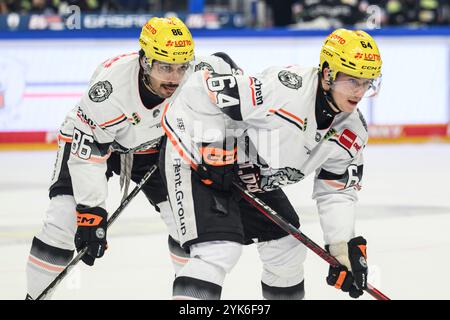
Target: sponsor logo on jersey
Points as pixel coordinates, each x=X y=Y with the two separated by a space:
x=255 y=86
x=290 y=79
x=84 y=118
x=100 y=91
x=179 y=195
x=178 y=43
x=156 y=113
x=347 y=138
x=180 y=124
x=204 y=66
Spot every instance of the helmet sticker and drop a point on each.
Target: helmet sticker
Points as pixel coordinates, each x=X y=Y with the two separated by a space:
x=290 y=79
x=100 y=91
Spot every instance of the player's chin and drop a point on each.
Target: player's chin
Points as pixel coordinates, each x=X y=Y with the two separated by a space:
x=349 y=105
x=167 y=91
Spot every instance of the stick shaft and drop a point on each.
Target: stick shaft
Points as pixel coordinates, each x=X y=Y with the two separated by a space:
x=296 y=233
x=111 y=220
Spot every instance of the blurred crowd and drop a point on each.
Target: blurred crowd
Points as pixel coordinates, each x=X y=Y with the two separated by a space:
x=336 y=13
x=295 y=13
x=86 y=6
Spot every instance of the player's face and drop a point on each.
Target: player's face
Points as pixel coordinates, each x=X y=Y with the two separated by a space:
x=166 y=77
x=348 y=91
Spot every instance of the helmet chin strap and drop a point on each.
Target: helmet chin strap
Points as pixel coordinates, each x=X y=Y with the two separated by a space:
x=146 y=76
x=331 y=101
x=147 y=83
x=329 y=96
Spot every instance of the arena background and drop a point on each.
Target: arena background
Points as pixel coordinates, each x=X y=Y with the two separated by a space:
x=49 y=49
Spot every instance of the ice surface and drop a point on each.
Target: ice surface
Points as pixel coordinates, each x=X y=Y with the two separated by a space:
x=404 y=213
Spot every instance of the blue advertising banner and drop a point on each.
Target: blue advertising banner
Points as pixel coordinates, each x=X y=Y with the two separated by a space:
x=77 y=21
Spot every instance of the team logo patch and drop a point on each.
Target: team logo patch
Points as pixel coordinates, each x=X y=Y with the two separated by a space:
x=290 y=79
x=318 y=137
x=282 y=177
x=100 y=91
x=204 y=66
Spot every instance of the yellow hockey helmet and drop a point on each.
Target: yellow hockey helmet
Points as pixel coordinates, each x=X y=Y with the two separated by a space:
x=167 y=40
x=353 y=52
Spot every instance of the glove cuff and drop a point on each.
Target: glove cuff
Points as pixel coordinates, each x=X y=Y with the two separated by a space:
x=340 y=252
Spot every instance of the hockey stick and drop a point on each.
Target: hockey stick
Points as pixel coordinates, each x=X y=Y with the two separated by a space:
x=111 y=220
x=296 y=233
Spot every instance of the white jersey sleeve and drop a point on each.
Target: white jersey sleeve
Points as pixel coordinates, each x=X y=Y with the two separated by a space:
x=97 y=121
x=111 y=112
x=254 y=99
x=336 y=184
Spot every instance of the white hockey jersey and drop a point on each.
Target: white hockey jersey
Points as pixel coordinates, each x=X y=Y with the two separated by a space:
x=276 y=110
x=111 y=117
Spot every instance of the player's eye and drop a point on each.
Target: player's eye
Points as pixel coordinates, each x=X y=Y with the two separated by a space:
x=166 y=68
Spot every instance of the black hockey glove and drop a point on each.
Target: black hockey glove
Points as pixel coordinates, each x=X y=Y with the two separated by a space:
x=249 y=177
x=351 y=276
x=91 y=232
x=218 y=167
x=217 y=177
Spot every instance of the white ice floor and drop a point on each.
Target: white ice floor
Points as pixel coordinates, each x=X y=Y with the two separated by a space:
x=404 y=213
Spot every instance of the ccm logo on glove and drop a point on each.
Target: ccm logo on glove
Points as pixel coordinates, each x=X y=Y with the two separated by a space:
x=87 y=219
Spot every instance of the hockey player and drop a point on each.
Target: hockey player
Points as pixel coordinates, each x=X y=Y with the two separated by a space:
x=115 y=127
x=292 y=121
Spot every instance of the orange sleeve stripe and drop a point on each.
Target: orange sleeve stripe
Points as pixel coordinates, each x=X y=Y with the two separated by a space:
x=179 y=260
x=63 y=138
x=335 y=184
x=113 y=120
x=98 y=159
x=44 y=265
x=253 y=91
x=291 y=115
